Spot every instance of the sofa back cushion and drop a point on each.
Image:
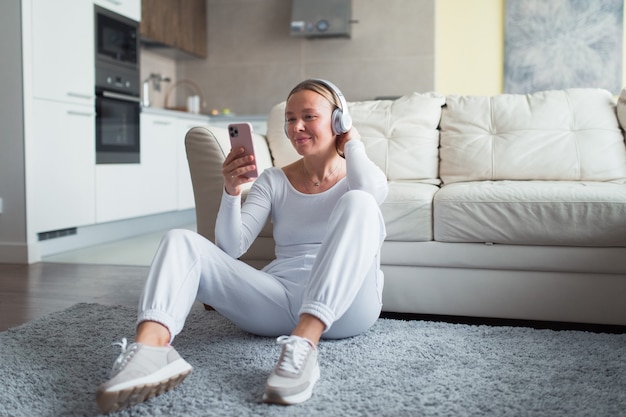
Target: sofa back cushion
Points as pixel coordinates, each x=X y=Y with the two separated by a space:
x=552 y=135
x=400 y=136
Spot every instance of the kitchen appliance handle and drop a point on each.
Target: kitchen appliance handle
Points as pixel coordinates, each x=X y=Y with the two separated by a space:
x=118 y=96
x=79 y=95
x=80 y=113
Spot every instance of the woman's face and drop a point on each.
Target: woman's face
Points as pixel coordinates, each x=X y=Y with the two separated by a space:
x=307 y=121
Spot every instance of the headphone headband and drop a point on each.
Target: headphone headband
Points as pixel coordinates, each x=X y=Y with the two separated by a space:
x=333 y=88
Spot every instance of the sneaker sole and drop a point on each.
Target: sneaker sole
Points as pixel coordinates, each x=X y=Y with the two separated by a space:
x=126 y=395
x=274 y=397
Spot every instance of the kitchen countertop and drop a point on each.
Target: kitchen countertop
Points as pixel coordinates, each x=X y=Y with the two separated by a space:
x=258 y=121
x=204 y=117
x=175 y=113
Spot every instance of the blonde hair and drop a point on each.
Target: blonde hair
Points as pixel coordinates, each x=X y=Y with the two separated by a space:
x=320 y=88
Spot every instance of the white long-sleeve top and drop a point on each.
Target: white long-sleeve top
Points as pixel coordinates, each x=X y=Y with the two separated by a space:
x=299 y=220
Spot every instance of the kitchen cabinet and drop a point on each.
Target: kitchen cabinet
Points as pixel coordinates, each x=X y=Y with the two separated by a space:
x=177 y=24
x=134 y=190
x=60 y=137
x=61 y=178
x=63 y=50
x=128 y=8
x=158 y=151
x=161 y=182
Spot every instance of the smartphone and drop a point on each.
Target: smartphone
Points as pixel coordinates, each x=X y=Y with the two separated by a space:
x=241 y=137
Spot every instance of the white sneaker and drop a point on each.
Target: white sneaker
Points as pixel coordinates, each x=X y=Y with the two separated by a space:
x=139 y=373
x=295 y=374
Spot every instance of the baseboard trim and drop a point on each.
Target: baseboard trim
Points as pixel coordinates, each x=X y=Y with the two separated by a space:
x=15 y=254
x=108 y=232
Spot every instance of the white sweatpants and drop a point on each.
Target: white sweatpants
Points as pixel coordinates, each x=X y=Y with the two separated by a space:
x=342 y=285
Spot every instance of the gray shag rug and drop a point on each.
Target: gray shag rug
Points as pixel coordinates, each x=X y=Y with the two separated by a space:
x=52 y=366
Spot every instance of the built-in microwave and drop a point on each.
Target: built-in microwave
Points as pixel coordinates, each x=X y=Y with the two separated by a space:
x=118 y=104
x=117 y=38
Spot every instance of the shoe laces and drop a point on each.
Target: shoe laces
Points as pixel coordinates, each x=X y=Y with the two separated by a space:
x=295 y=351
x=124 y=357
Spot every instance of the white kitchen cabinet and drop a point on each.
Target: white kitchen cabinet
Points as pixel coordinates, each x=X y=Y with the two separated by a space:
x=61 y=166
x=61 y=142
x=158 y=153
x=63 y=50
x=129 y=8
x=134 y=190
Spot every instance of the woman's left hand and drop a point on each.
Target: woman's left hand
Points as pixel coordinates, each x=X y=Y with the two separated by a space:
x=342 y=139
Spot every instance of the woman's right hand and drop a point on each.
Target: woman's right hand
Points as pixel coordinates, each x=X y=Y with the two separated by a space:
x=235 y=166
x=343 y=138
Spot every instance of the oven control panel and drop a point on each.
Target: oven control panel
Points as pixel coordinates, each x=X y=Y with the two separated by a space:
x=122 y=80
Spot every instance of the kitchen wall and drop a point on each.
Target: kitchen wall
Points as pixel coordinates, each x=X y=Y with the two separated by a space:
x=152 y=62
x=252 y=61
x=398 y=46
x=449 y=46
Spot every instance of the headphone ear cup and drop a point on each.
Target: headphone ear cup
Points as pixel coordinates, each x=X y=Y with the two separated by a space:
x=341 y=122
x=346 y=121
x=336 y=122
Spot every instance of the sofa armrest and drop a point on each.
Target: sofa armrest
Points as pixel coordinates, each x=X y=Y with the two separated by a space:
x=206 y=150
x=205 y=155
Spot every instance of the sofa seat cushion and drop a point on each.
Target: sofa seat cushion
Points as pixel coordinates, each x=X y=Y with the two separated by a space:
x=400 y=136
x=568 y=135
x=532 y=213
x=480 y=256
x=408 y=211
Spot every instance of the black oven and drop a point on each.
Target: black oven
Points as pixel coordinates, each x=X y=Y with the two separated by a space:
x=117 y=128
x=118 y=103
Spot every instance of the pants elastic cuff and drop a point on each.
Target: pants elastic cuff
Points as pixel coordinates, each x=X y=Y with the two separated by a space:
x=159 y=317
x=321 y=311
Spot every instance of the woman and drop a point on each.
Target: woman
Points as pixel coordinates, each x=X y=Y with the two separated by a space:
x=325 y=280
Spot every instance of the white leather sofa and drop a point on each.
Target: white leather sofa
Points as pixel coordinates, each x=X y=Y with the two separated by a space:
x=511 y=206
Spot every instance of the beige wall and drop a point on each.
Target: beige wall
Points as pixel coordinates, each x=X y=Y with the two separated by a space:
x=253 y=62
x=469 y=40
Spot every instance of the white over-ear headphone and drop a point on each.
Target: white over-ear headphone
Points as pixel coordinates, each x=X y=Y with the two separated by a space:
x=341 y=121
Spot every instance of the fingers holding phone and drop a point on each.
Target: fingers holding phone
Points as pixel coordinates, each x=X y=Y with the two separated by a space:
x=239 y=166
x=236 y=169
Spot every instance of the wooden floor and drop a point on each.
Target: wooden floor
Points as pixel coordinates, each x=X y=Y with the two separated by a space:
x=28 y=292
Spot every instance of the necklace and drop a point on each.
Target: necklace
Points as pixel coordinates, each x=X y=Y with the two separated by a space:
x=318 y=183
